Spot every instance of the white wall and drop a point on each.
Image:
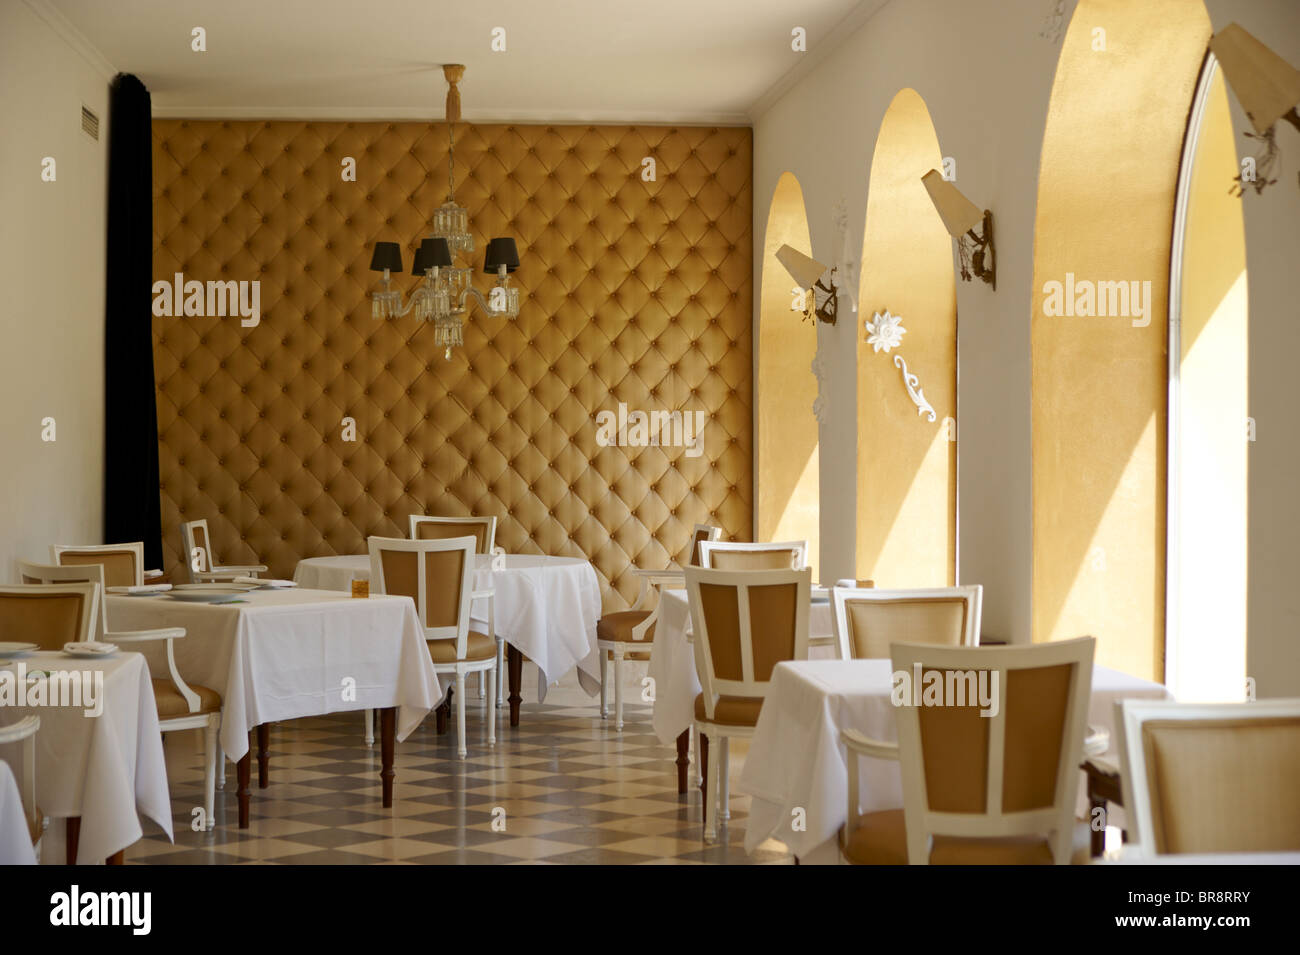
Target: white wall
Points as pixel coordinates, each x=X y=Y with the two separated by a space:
x=986 y=76
x=52 y=249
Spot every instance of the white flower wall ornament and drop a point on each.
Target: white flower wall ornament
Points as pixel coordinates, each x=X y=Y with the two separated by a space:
x=885 y=332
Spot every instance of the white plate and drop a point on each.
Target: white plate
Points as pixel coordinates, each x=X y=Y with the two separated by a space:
x=205 y=596
x=14 y=649
x=88 y=654
x=223 y=587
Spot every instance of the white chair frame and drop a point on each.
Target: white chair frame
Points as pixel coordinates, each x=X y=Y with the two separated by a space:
x=1130 y=715
x=491 y=522
x=972 y=596
x=89 y=591
x=458 y=632
x=709 y=548
x=209 y=571
x=24 y=731
x=651 y=582
x=1056 y=822
x=719 y=785
x=137 y=547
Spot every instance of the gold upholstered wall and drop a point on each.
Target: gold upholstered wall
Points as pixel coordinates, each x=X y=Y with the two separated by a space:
x=635 y=292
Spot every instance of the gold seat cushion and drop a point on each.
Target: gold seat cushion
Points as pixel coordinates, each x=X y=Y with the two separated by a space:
x=479 y=646
x=881 y=839
x=171 y=704
x=731 y=710
x=618 y=626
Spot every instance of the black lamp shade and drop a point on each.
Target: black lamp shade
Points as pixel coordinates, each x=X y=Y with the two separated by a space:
x=388 y=255
x=432 y=253
x=501 y=252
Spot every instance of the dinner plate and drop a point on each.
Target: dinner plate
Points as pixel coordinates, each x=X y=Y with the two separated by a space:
x=16 y=649
x=206 y=596
x=89 y=654
x=223 y=587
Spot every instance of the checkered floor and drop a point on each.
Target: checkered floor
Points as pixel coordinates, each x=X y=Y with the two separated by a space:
x=573 y=790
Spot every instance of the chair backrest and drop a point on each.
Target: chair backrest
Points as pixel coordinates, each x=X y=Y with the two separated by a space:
x=49 y=615
x=733 y=555
x=437 y=574
x=1207 y=778
x=24 y=731
x=744 y=624
x=49 y=574
x=123 y=563
x=483 y=529
x=196 y=549
x=702 y=533
x=1013 y=771
x=868 y=621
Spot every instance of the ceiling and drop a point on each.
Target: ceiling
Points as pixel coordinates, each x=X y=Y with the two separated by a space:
x=687 y=61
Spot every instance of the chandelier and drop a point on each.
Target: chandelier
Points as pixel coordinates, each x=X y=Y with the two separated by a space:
x=444 y=296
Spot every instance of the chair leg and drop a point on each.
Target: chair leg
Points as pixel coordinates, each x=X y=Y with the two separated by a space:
x=618 y=687
x=724 y=775
x=604 y=677
x=482 y=684
x=221 y=759
x=501 y=672
x=368 y=716
x=711 y=797
x=491 y=677
x=210 y=771
x=461 y=751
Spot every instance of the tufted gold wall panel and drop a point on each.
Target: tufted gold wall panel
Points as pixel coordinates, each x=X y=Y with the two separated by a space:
x=633 y=292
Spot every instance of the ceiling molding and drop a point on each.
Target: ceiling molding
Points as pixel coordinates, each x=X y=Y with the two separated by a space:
x=70 y=35
x=815 y=57
x=417 y=114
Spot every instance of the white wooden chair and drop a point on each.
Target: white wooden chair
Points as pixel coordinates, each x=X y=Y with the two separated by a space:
x=868 y=621
x=1210 y=778
x=201 y=560
x=181 y=706
x=123 y=563
x=744 y=624
x=996 y=789
x=24 y=731
x=747 y=555
x=632 y=630
x=49 y=616
x=439 y=576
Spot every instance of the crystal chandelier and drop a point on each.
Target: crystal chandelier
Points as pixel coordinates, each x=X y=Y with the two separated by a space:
x=443 y=297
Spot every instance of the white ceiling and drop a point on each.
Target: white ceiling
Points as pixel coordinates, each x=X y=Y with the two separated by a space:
x=688 y=61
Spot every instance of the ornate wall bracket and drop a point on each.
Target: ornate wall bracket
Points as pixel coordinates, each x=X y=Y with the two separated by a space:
x=910 y=381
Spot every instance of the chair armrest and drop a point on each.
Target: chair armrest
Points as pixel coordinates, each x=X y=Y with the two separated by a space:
x=483 y=594
x=239 y=569
x=142 y=636
x=1096 y=742
x=868 y=747
x=1101 y=767
x=667 y=572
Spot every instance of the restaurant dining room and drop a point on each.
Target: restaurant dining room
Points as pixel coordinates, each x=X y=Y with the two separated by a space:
x=753 y=432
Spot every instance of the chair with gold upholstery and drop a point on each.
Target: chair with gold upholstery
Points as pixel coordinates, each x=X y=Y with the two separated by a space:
x=181 y=705
x=1210 y=778
x=981 y=786
x=201 y=560
x=49 y=616
x=631 y=631
x=24 y=731
x=867 y=621
x=746 y=555
x=123 y=563
x=744 y=624
x=439 y=576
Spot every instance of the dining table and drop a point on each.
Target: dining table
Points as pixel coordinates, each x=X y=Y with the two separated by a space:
x=544 y=607
x=98 y=768
x=278 y=654
x=15 y=840
x=796 y=772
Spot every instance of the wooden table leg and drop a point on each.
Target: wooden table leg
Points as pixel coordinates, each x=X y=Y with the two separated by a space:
x=117 y=858
x=683 y=760
x=263 y=755
x=515 y=665
x=72 y=836
x=702 y=754
x=244 y=772
x=387 y=738
x=1097 y=837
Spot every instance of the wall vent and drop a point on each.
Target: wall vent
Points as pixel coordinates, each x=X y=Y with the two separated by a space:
x=89 y=123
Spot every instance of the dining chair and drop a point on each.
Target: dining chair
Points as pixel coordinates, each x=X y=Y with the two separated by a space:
x=1210 y=778
x=201 y=560
x=745 y=555
x=868 y=621
x=630 y=631
x=984 y=783
x=744 y=624
x=24 y=731
x=123 y=563
x=181 y=705
x=49 y=616
x=439 y=576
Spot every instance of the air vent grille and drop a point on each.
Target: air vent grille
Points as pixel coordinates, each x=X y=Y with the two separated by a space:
x=89 y=123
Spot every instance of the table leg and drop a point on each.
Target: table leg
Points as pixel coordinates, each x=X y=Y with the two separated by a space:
x=443 y=711
x=1097 y=837
x=72 y=831
x=263 y=755
x=683 y=760
x=388 y=735
x=515 y=664
x=117 y=858
x=244 y=773
x=702 y=753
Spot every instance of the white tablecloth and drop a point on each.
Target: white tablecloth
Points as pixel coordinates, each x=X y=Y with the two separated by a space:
x=796 y=759
x=672 y=660
x=107 y=769
x=15 y=843
x=546 y=607
x=286 y=654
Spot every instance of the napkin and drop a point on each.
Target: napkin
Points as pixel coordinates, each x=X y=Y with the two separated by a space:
x=141 y=589
x=266 y=582
x=153 y=573
x=90 y=646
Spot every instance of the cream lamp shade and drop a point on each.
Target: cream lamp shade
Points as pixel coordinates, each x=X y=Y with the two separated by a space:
x=958 y=213
x=1266 y=85
x=805 y=271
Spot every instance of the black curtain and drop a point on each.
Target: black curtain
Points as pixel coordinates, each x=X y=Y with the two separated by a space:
x=131 y=508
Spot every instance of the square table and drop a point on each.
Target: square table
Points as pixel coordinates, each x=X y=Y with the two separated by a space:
x=796 y=759
x=284 y=654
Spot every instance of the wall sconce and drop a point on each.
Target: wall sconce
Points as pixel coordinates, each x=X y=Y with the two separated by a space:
x=1268 y=89
x=811 y=274
x=960 y=217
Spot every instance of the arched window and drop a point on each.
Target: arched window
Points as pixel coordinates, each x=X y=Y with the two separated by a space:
x=907 y=459
x=787 y=459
